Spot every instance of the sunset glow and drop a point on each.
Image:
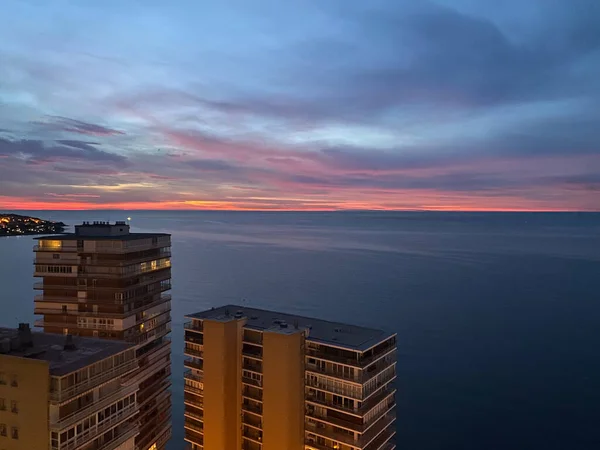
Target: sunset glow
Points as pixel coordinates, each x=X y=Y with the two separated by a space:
x=289 y=107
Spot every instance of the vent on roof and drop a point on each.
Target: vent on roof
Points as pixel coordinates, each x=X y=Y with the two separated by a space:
x=277 y=321
x=254 y=317
x=283 y=324
x=69 y=343
x=5 y=345
x=239 y=314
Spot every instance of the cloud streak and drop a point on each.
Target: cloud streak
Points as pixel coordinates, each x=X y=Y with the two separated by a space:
x=386 y=105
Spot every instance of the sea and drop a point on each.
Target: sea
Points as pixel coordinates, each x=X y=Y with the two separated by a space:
x=497 y=314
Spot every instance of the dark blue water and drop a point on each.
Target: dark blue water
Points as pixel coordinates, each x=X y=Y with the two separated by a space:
x=497 y=315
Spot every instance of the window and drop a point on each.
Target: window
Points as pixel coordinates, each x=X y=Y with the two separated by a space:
x=14 y=433
x=64 y=309
x=2 y=404
x=14 y=407
x=14 y=382
x=2 y=429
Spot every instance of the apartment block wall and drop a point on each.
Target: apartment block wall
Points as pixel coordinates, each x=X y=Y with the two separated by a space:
x=222 y=374
x=283 y=390
x=24 y=391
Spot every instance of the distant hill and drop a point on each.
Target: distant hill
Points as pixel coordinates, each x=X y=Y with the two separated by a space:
x=17 y=225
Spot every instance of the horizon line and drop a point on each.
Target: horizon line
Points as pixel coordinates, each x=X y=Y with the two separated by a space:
x=339 y=210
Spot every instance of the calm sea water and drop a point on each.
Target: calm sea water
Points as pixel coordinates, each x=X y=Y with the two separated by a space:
x=497 y=315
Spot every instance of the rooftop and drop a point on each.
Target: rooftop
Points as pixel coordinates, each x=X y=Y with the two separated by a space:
x=50 y=347
x=124 y=237
x=338 y=334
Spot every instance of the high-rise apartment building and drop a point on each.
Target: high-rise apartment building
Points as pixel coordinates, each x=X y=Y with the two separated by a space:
x=263 y=380
x=104 y=281
x=64 y=393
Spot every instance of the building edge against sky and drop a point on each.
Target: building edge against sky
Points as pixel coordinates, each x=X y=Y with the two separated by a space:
x=104 y=281
x=286 y=381
x=64 y=393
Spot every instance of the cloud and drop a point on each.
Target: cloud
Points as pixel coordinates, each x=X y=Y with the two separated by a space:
x=77 y=126
x=39 y=152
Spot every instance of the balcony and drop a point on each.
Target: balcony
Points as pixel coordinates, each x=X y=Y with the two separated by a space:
x=357 y=359
x=163 y=307
x=164 y=277
x=194 y=437
x=193 y=350
x=252 y=407
x=154 y=429
x=252 y=366
x=378 y=428
x=163 y=436
x=64 y=394
x=193 y=389
x=193 y=425
x=161 y=329
x=252 y=420
x=194 y=400
x=92 y=408
x=194 y=325
x=252 y=393
x=123 y=436
x=252 y=434
x=251 y=382
x=189 y=375
x=194 y=413
x=252 y=351
x=382 y=442
x=194 y=364
x=158 y=387
x=106 y=425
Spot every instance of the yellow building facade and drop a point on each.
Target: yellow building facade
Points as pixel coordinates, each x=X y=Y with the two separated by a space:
x=263 y=380
x=64 y=393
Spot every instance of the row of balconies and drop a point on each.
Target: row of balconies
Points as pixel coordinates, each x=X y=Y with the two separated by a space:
x=348 y=357
x=58 y=423
x=349 y=437
x=108 y=423
x=359 y=376
x=63 y=394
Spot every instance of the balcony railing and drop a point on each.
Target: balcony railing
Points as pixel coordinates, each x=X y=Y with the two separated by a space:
x=164 y=277
x=161 y=329
x=252 y=366
x=92 y=408
x=194 y=437
x=191 y=350
x=107 y=424
x=63 y=394
x=194 y=364
x=193 y=415
x=193 y=389
x=193 y=325
x=191 y=424
x=359 y=361
x=253 y=407
x=189 y=375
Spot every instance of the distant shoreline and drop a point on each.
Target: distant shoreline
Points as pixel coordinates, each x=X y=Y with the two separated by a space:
x=17 y=225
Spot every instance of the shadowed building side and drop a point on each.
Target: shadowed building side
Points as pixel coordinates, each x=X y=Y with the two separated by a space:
x=283 y=387
x=104 y=281
x=316 y=385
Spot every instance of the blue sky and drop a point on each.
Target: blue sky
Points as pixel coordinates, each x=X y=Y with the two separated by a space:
x=300 y=105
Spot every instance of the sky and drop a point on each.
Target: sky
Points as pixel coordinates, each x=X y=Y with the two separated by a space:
x=300 y=105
